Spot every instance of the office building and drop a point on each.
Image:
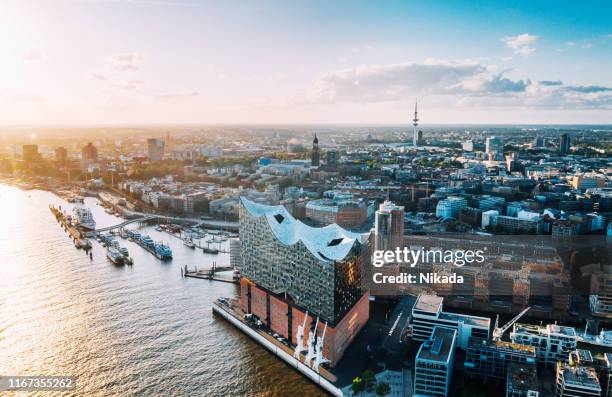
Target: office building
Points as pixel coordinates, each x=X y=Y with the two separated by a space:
x=576 y=381
x=332 y=157
x=587 y=181
x=486 y=202
x=522 y=381
x=486 y=358
x=315 y=156
x=89 y=157
x=427 y=314
x=61 y=155
x=155 y=149
x=468 y=146
x=419 y=138
x=564 y=144
x=450 y=207
x=389 y=227
x=600 y=298
x=514 y=225
x=30 y=153
x=433 y=366
x=488 y=218
x=494 y=146
x=290 y=270
x=344 y=211
x=552 y=342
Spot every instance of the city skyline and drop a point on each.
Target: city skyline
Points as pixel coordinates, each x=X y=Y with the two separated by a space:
x=181 y=62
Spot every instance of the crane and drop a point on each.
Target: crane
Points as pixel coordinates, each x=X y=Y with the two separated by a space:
x=499 y=331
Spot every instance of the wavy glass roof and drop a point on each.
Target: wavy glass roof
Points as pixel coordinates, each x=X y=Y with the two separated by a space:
x=329 y=243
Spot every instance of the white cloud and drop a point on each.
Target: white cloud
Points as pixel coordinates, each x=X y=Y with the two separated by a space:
x=465 y=83
x=30 y=55
x=126 y=62
x=521 y=44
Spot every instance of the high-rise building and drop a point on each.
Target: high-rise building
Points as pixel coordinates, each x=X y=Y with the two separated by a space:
x=89 y=152
x=420 y=138
x=61 y=155
x=89 y=156
x=389 y=227
x=494 y=146
x=30 y=153
x=315 y=155
x=433 y=366
x=332 y=158
x=155 y=148
x=294 y=274
x=564 y=144
x=427 y=314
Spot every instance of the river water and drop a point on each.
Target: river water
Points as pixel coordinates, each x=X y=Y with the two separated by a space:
x=122 y=331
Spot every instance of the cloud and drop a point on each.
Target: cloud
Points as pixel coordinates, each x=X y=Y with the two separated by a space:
x=550 y=83
x=179 y=95
x=99 y=76
x=495 y=84
x=31 y=55
x=588 y=89
x=363 y=48
x=521 y=44
x=467 y=83
x=132 y=84
x=394 y=81
x=126 y=62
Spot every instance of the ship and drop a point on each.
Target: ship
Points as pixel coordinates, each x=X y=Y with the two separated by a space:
x=83 y=218
x=163 y=251
x=188 y=241
x=114 y=255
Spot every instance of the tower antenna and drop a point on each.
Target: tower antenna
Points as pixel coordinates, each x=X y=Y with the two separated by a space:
x=415 y=123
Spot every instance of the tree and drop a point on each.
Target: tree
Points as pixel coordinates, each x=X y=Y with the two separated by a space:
x=368 y=378
x=357 y=385
x=383 y=389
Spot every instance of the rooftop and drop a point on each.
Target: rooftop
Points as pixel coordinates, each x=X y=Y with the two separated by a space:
x=440 y=347
x=577 y=376
x=329 y=243
x=428 y=303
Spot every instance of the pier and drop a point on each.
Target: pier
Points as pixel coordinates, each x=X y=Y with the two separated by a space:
x=80 y=241
x=210 y=273
x=234 y=315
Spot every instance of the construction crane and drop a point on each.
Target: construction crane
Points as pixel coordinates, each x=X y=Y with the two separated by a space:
x=498 y=332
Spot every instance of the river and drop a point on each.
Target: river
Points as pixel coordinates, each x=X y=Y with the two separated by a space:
x=122 y=331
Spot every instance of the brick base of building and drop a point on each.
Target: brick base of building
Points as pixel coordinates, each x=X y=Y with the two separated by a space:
x=284 y=318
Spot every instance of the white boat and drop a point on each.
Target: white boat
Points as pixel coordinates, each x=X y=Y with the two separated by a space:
x=189 y=242
x=158 y=228
x=83 y=218
x=114 y=255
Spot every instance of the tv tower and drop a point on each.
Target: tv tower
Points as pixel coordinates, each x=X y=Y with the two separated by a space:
x=415 y=123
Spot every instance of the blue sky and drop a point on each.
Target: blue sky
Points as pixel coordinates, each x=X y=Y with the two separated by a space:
x=96 y=62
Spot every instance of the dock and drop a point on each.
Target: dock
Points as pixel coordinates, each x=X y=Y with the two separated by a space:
x=75 y=234
x=210 y=273
x=230 y=311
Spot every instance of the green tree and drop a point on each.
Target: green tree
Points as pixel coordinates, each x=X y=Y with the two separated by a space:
x=357 y=385
x=383 y=389
x=368 y=378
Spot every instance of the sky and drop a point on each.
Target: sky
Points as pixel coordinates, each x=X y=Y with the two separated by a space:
x=71 y=62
